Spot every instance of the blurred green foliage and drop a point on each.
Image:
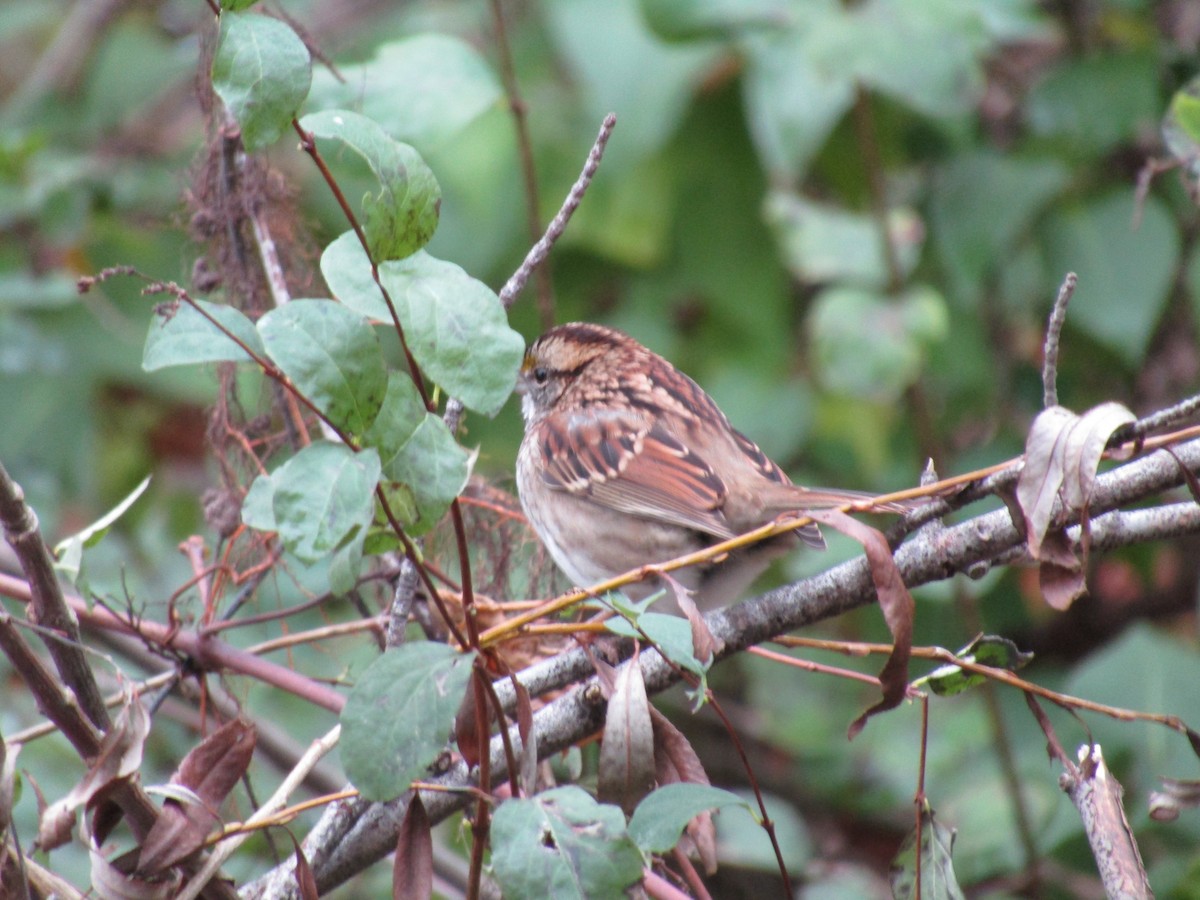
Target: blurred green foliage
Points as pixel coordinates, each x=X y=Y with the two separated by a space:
x=765 y=152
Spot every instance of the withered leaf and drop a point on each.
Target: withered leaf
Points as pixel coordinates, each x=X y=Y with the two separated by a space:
x=626 y=769
x=894 y=600
x=412 y=870
x=211 y=769
x=120 y=756
x=675 y=760
x=1062 y=455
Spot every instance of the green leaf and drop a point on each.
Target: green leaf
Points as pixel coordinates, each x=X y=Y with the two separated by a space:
x=424 y=89
x=937 y=870
x=22 y=290
x=180 y=336
x=872 y=346
x=693 y=19
x=823 y=243
x=347 y=271
x=976 y=237
x=258 y=507
x=792 y=104
x=1125 y=276
x=562 y=844
x=320 y=498
x=434 y=466
x=741 y=840
x=332 y=355
x=399 y=416
x=455 y=326
x=659 y=820
x=1181 y=124
x=927 y=55
x=68 y=552
x=261 y=71
x=402 y=217
x=988 y=650
x=614 y=62
x=457 y=329
x=400 y=714
x=671 y=634
x=425 y=466
x=345 y=565
x=1095 y=102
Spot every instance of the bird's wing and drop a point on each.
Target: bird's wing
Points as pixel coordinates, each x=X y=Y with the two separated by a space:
x=624 y=461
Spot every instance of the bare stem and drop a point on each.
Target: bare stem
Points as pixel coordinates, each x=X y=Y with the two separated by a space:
x=1058 y=315
x=538 y=253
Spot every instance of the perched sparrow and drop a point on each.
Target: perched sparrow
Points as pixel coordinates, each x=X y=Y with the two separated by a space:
x=627 y=461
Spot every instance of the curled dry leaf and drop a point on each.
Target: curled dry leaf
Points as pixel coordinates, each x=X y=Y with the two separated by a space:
x=466 y=724
x=1175 y=796
x=412 y=870
x=120 y=756
x=211 y=769
x=626 y=770
x=894 y=600
x=529 y=748
x=109 y=882
x=306 y=881
x=1062 y=455
x=704 y=644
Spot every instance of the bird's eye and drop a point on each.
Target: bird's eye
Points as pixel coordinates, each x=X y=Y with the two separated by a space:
x=541 y=374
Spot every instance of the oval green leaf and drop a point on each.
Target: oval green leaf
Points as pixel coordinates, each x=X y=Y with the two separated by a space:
x=180 y=336
x=261 y=71
x=321 y=498
x=332 y=355
x=399 y=716
x=563 y=844
x=401 y=218
x=659 y=820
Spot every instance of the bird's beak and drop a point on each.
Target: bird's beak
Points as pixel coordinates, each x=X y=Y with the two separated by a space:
x=522 y=385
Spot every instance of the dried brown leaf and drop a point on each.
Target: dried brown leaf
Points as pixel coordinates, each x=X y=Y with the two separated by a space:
x=676 y=760
x=110 y=882
x=1042 y=475
x=704 y=645
x=529 y=752
x=626 y=768
x=412 y=870
x=466 y=725
x=1062 y=455
x=1061 y=573
x=120 y=757
x=211 y=769
x=1175 y=796
x=894 y=600
x=306 y=881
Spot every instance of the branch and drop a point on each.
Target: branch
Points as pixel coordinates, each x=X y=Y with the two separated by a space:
x=540 y=250
x=46 y=600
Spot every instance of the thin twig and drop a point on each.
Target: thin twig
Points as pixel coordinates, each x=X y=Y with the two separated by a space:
x=540 y=250
x=1058 y=315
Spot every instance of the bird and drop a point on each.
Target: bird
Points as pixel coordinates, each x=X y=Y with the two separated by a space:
x=626 y=461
